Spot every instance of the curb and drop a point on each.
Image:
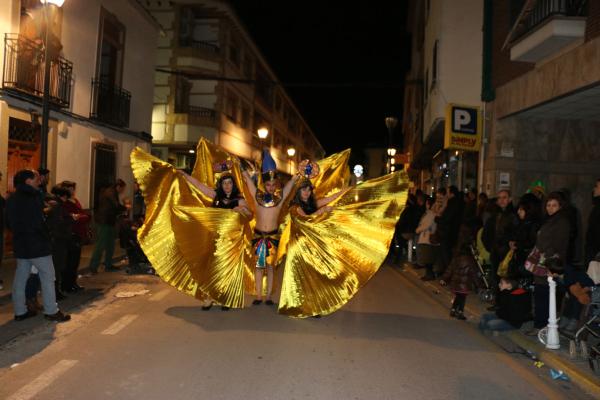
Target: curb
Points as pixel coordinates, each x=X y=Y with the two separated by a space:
x=587 y=381
x=584 y=379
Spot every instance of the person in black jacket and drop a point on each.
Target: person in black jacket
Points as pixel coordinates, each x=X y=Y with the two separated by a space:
x=514 y=308
x=592 y=236
x=529 y=211
x=60 y=223
x=31 y=246
x=105 y=217
x=448 y=225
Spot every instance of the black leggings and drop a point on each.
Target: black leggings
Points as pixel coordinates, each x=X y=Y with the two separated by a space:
x=459 y=302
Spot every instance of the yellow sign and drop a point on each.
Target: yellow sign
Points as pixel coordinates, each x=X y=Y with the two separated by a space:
x=463 y=126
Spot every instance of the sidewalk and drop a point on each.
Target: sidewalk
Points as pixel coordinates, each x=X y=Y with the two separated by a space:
x=577 y=369
x=7 y=270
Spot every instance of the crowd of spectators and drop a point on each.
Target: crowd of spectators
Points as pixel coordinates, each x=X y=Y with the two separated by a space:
x=48 y=231
x=518 y=246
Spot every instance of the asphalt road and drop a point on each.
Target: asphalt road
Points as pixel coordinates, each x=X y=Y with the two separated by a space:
x=391 y=342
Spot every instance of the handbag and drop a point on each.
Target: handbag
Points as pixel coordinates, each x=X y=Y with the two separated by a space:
x=534 y=263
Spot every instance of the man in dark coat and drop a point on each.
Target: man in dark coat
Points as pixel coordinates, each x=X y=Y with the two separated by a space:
x=448 y=225
x=592 y=237
x=31 y=246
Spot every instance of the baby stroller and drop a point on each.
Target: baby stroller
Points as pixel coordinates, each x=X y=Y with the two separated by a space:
x=486 y=293
x=588 y=336
x=138 y=262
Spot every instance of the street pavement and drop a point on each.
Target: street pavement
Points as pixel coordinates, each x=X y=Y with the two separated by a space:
x=392 y=341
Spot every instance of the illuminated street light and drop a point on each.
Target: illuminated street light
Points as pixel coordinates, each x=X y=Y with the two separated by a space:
x=57 y=3
x=291 y=152
x=46 y=94
x=263 y=133
x=191 y=151
x=391 y=152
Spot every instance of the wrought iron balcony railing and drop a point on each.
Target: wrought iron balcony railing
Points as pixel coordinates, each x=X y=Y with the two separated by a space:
x=545 y=9
x=24 y=70
x=110 y=104
x=199 y=44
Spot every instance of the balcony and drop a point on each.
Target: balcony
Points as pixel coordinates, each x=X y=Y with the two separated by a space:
x=110 y=104
x=547 y=27
x=24 y=65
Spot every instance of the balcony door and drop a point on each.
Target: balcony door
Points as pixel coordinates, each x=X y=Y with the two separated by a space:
x=110 y=50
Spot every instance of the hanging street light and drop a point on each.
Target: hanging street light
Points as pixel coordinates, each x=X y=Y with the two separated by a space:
x=46 y=98
x=291 y=152
x=263 y=133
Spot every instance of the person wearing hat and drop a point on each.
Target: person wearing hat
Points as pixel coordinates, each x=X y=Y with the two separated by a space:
x=226 y=195
x=268 y=204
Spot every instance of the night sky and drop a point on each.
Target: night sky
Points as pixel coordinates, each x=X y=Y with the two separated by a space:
x=336 y=42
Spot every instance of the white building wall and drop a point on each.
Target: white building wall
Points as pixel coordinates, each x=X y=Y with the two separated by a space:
x=457 y=26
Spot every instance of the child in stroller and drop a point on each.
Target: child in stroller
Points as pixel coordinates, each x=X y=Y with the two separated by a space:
x=138 y=262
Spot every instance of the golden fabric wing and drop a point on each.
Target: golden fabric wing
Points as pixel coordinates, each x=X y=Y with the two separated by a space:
x=197 y=249
x=331 y=256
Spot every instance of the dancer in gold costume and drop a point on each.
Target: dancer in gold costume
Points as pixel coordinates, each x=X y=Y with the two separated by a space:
x=327 y=255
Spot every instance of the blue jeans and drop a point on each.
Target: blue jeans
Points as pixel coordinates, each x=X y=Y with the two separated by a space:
x=491 y=322
x=46 y=273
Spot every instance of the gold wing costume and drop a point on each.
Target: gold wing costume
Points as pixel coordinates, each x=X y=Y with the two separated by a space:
x=329 y=257
x=200 y=250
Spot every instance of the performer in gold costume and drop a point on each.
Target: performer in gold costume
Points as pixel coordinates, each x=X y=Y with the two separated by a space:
x=327 y=255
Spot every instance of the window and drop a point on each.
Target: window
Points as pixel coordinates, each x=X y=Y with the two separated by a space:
x=235 y=52
x=231 y=107
x=245 y=121
x=434 y=64
x=110 y=48
x=426 y=87
x=182 y=94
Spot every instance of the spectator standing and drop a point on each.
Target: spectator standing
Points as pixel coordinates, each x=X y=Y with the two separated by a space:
x=60 y=224
x=31 y=246
x=448 y=225
x=553 y=243
x=461 y=276
x=105 y=218
x=592 y=236
x=2 y=206
x=499 y=230
x=529 y=212
x=138 y=210
x=79 y=236
x=427 y=249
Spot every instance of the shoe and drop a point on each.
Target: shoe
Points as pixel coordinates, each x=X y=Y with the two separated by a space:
x=316 y=316
x=452 y=313
x=207 y=306
x=269 y=302
x=256 y=302
x=28 y=314
x=460 y=316
x=224 y=308
x=112 y=269
x=58 y=317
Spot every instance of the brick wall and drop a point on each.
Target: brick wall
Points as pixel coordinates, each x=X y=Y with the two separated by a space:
x=503 y=69
x=592 y=29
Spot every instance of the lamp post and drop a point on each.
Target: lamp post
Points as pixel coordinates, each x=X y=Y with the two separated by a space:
x=390 y=123
x=263 y=133
x=291 y=152
x=46 y=98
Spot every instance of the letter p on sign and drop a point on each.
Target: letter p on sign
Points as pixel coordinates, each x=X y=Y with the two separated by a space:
x=462 y=119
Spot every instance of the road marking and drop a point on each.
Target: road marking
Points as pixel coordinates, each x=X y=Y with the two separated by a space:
x=44 y=380
x=120 y=324
x=160 y=295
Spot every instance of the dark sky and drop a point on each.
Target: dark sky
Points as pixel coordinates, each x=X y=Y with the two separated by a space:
x=336 y=42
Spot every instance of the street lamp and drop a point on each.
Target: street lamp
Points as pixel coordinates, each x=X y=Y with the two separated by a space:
x=263 y=133
x=46 y=98
x=390 y=123
x=291 y=152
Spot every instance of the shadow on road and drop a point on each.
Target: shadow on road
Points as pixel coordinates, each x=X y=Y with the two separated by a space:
x=344 y=324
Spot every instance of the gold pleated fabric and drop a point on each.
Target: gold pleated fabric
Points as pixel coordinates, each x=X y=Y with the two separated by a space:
x=329 y=257
x=198 y=249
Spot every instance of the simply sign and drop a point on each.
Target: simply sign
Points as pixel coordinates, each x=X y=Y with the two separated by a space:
x=462 y=130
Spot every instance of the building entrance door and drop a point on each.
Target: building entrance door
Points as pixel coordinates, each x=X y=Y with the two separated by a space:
x=104 y=169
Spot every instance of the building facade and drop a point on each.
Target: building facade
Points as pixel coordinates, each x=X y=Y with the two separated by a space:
x=445 y=69
x=213 y=82
x=101 y=56
x=542 y=93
